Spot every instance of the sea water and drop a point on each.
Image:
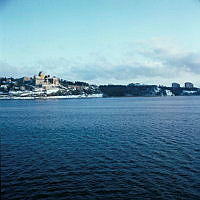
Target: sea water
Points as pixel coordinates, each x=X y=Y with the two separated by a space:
x=100 y=148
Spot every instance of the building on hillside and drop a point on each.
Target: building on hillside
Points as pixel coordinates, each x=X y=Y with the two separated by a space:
x=175 y=85
x=45 y=82
x=189 y=85
x=25 y=79
x=39 y=80
x=76 y=87
x=52 y=80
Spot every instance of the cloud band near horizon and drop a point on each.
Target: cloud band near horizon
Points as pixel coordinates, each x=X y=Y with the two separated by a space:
x=150 y=62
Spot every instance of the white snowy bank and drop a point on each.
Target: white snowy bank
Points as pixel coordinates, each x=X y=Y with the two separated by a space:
x=55 y=97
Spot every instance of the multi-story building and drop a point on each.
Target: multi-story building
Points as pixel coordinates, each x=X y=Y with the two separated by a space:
x=175 y=85
x=189 y=85
x=45 y=81
x=39 y=80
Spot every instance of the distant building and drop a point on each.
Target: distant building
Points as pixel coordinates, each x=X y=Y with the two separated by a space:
x=39 y=80
x=175 y=85
x=52 y=80
x=76 y=87
x=25 y=79
x=189 y=85
x=45 y=81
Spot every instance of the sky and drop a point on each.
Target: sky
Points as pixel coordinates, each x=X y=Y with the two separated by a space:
x=102 y=41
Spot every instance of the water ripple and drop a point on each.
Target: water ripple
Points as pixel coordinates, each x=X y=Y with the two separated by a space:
x=122 y=148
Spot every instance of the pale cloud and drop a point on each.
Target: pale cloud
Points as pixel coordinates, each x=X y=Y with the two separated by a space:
x=153 y=61
x=173 y=56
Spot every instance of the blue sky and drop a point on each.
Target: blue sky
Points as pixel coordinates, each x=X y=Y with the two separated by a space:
x=102 y=41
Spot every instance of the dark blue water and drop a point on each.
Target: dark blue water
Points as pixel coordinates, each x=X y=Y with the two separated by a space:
x=113 y=148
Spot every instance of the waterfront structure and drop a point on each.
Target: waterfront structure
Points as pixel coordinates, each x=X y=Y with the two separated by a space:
x=175 y=85
x=189 y=85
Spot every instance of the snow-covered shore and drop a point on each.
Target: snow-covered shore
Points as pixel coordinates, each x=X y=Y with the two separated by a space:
x=53 y=97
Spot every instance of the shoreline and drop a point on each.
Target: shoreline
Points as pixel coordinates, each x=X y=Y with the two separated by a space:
x=52 y=97
x=78 y=97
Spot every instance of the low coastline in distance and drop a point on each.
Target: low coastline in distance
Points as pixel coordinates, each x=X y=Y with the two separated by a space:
x=43 y=86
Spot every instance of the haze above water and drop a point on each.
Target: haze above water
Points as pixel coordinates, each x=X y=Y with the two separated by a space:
x=101 y=148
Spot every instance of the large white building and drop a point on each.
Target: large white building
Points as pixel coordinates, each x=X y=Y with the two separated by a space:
x=45 y=82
